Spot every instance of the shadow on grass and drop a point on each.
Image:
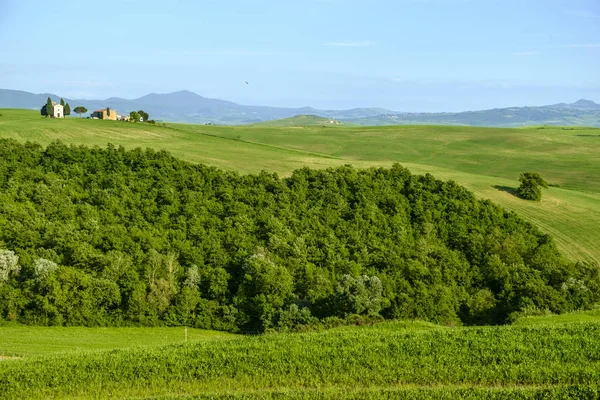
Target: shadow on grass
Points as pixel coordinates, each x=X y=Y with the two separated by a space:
x=506 y=189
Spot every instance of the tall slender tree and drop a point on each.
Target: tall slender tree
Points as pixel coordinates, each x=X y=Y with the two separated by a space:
x=62 y=102
x=49 y=108
x=67 y=110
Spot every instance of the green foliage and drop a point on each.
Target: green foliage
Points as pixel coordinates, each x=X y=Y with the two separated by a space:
x=9 y=265
x=388 y=361
x=35 y=341
x=140 y=237
x=68 y=109
x=80 y=110
x=48 y=109
x=43 y=268
x=360 y=295
x=235 y=148
x=530 y=186
x=134 y=116
x=108 y=111
x=62 y=102
x=143 y=114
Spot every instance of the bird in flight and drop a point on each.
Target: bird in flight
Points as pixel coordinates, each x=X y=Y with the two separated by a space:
x=246 y=82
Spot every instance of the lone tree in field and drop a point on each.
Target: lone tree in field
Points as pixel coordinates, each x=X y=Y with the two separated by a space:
x=80 y=110
x=530 y=186
x=67 y=110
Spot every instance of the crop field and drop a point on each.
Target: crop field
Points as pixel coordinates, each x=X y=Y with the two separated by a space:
x=391 y=360
x=488 y=161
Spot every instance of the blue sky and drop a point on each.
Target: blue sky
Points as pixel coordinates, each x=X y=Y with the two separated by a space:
x=405 y=55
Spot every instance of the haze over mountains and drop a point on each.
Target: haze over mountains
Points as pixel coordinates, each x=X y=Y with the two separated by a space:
x=185 y=106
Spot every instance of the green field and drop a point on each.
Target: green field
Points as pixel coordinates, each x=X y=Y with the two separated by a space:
x=488 y=161
x=300 y=120
x=391 y=360
x=29 y=341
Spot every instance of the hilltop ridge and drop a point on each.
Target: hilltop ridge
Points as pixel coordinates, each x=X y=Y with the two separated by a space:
x=186 y=106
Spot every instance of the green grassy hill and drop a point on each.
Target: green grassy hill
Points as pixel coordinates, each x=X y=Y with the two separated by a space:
x=487 y=161
x=301 y=121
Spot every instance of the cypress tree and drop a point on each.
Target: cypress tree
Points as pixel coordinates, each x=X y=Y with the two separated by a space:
x=67 y=110
x=49 y=108
x=62 y=102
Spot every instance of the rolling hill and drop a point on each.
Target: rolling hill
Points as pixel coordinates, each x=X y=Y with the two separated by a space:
x=301 y=120
x=185 y=106
x=488 y=161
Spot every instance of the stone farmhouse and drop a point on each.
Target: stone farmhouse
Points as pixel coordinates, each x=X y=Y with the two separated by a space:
x=103 y=114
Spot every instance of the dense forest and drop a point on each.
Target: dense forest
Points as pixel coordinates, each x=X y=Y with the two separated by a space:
x=98 y=237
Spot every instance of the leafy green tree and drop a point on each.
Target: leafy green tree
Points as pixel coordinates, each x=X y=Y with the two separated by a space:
x=265 y=289
x=360 y=295
x=134 y=116
x=531 y=182
x=9 y=265
x=141 y=237
x=80 y=110
x=294 y=317
x=108 y=111
x=62 y=102
x=193 y=277
x=144 y=115
x=67 y=110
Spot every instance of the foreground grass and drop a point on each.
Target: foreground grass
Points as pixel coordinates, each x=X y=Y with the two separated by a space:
x=29 y=341
x=387 y=361
x=488 y=161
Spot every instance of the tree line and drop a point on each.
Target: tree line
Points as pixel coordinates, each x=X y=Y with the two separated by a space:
x=107 y=236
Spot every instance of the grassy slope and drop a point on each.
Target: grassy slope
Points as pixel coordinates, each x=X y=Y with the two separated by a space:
x=568 y=318
x=299 y=120
x=486 y=160
x=408 y=360
x=28 y=341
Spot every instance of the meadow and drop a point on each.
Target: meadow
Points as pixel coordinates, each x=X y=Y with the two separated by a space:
x=487 y=161
x=30 y=341
x=391 y=360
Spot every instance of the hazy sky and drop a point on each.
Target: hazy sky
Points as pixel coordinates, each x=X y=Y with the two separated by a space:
x=413 y=55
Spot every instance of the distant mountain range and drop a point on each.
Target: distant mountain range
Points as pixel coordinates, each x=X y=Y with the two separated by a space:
x=185 y=106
